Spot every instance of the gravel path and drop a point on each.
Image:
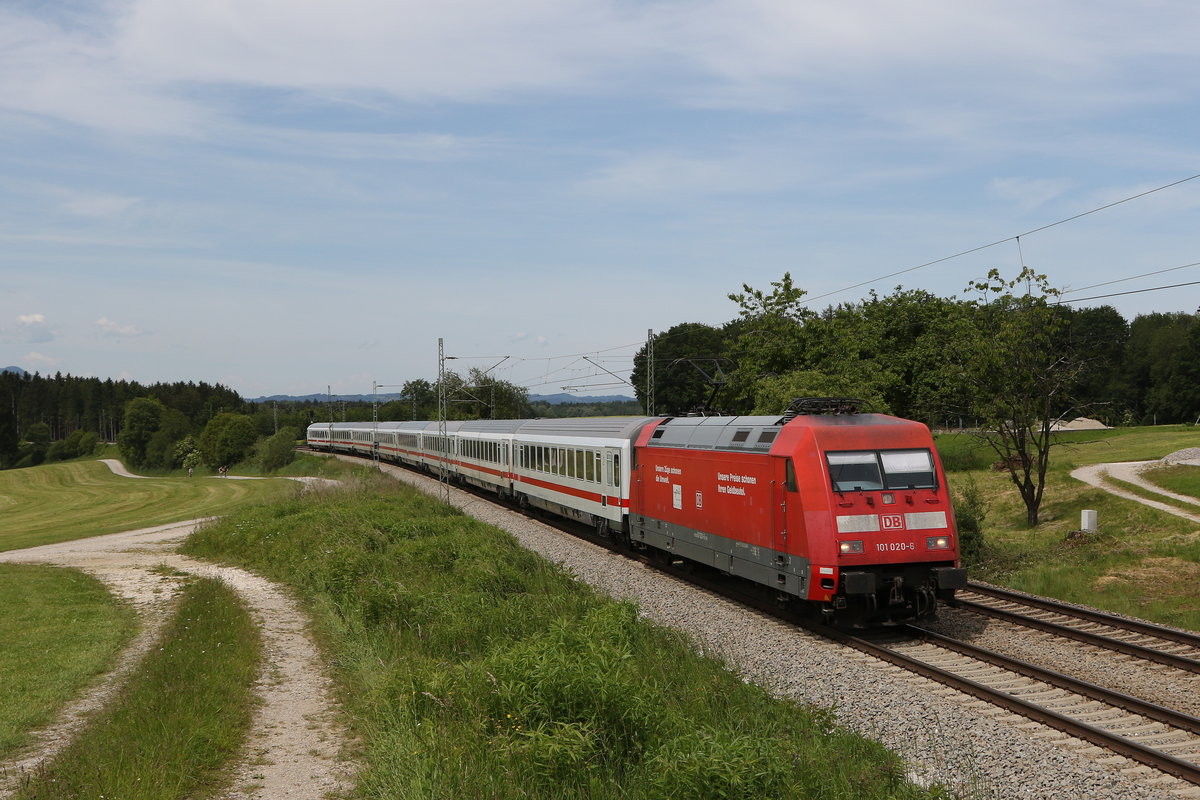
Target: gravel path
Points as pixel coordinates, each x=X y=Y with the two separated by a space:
x=295 y=745
x=947 y=737
x=1130 y=472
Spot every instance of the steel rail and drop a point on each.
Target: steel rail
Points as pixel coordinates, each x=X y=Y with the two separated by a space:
x=1102 y=617
x=1184 y=770
x=1135 y=705
x=1140 y=651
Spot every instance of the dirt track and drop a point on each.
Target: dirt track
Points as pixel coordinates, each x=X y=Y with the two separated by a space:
x=295 y=747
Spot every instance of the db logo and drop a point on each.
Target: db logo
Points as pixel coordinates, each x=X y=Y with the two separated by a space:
x=891 y=522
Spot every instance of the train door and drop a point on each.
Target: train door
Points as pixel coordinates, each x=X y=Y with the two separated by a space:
x=783 y=484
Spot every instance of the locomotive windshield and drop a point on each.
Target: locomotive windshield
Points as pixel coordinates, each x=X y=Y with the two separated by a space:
x=871 y=470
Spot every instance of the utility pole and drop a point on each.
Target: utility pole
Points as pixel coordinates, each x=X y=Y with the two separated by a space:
x=650 y=381
x=445 y=474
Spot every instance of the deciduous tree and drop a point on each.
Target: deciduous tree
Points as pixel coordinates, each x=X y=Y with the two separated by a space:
x=1023 y=377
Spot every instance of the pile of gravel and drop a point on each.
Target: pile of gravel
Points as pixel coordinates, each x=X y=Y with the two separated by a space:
x=1189 y=455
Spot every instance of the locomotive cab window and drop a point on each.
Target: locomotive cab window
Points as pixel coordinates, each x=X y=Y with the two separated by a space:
x=864 y=471
x=908 y=469
x=854 y=472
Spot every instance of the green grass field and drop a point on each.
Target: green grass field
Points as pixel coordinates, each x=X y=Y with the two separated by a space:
x=60 y=629
x=1141 y=561
x=71 y=500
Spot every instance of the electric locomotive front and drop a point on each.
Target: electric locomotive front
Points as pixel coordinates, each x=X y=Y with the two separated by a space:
x=849 y=512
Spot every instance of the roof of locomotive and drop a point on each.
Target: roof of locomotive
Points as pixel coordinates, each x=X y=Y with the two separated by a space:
x=752 y=433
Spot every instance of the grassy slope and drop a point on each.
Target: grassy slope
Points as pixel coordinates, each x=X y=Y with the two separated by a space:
x=60 y=628
x=473 y=668
x=72 y=500
x=1141 y=561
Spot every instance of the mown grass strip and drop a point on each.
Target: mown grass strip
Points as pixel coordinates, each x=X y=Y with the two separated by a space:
x=1148 y=494
x=1180 y=478
x=60 y=502
x=172 y=732
x=60 y=629
x=473 y=668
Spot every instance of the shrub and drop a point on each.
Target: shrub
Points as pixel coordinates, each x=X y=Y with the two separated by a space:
x=279 y=450
x=969 y=512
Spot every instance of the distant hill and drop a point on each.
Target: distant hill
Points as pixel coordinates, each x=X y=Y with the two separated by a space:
x=17 y=370
x=324 y=398
x=562 y=398
x=552 y=399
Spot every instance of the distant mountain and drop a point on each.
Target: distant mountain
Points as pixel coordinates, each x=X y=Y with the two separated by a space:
x=562 y=398
x=17 y=370
x=552 y=399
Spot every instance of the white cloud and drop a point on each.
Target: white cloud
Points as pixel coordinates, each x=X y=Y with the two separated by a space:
x=144 y=65
x=34 y=329
x=1029 y=193
x=110 y=328
x=541 y=341
x=88 y=204
x=40 y=359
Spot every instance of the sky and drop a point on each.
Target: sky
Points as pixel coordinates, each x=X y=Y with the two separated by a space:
x=290 y=196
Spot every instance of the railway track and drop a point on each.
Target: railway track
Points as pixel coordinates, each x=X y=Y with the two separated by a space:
x=1162 y=645
x=1150 y=734
x=1156 y=736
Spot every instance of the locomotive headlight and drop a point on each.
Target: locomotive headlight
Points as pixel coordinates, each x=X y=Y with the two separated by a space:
x=937 y=543
x=849 y=548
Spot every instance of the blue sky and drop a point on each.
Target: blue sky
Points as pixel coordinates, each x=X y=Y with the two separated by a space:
x=284 y=195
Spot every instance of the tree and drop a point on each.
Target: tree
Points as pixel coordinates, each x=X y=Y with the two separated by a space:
x=279 y=450
x=1023 y=376
x=38 y=435
x=140 y=421
x=227 y=439
x=767 y=339
x=480 y=396
x=775 y=393
x=1103 y=333
x=689 y=362
x=173 y=427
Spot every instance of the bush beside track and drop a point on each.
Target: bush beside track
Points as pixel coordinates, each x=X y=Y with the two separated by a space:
x=473 y=668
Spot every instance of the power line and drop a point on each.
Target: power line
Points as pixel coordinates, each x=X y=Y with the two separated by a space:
x=1002 y=241
x=1121 y=294
x=1131 y=278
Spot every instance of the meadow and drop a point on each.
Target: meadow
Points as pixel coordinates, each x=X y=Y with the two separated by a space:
x=1140 y=561
x=75 y=499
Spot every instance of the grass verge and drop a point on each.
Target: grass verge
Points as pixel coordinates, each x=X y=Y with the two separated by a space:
x=60 y=629
x=1181 y=479
x=471 y=667
x=172 y=731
